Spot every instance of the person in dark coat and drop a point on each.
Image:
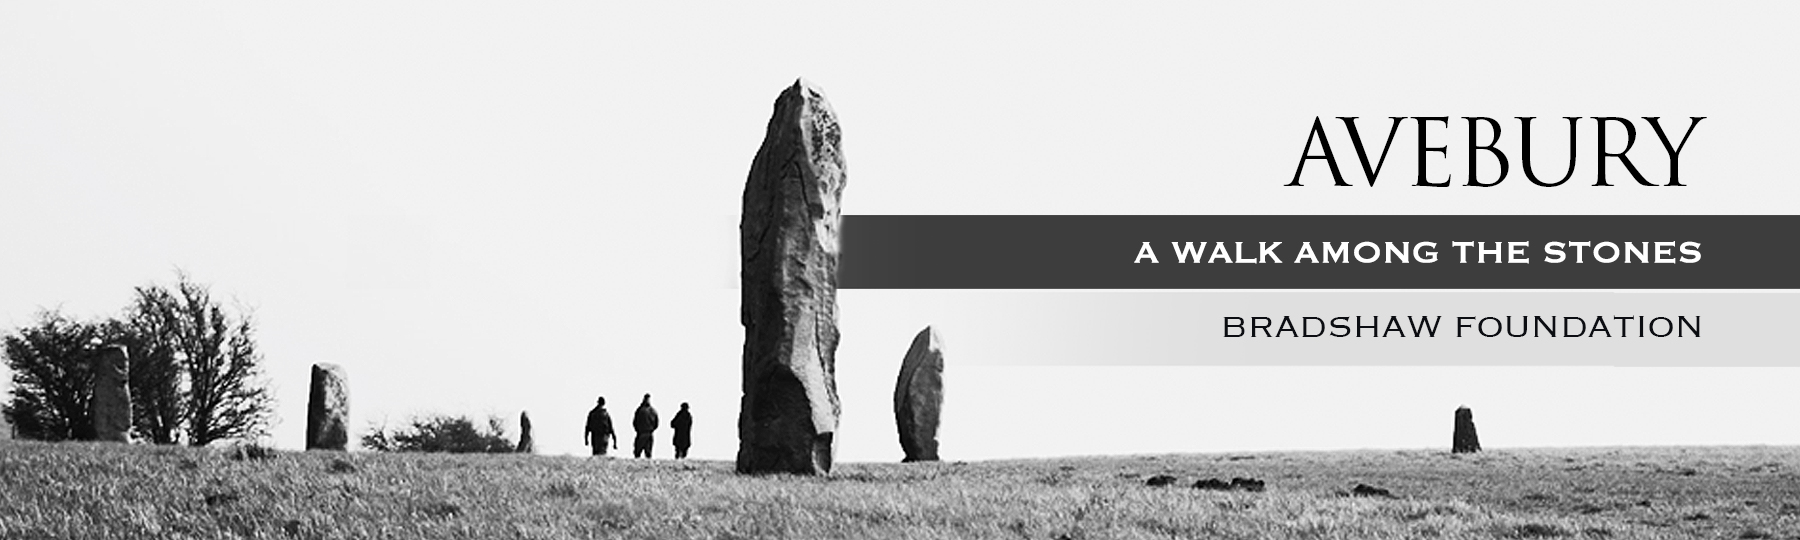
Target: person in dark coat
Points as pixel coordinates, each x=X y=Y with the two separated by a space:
x=683 y=424
x=599 y=429
x=644 y=422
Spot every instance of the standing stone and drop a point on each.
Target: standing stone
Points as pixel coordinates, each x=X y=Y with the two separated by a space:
x=1463 y=440
x=526 y=446
x=110 y=402
x=328 y=409
x=789 y=248
x=919 y=396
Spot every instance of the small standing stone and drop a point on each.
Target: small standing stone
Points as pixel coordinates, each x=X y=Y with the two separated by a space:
x=110 y=402
x=525 y=444
x=328 y=409
x=1464 y=440
x=919 y=396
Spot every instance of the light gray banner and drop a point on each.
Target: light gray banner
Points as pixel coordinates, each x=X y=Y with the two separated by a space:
x=1190 y=328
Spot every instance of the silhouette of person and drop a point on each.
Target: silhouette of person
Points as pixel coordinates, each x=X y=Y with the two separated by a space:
x=683 y=424
x=644 y=422
x=599 y=429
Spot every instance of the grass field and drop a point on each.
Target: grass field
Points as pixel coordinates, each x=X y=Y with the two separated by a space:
x=73 y=490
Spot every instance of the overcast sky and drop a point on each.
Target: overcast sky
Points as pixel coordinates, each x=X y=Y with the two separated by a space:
x=483 y=208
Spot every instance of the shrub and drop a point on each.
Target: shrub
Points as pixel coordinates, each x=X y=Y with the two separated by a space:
x=441 y=433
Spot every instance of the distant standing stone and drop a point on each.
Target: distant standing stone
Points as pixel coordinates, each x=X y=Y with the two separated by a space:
x=328 y=409
x=526 y=446
x=789 y=252
x=110 y=402
x=919 y=396
x=1464 y=440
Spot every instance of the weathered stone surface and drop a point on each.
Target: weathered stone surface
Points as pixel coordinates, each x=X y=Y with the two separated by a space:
x=789 y=249
x=526 y=446
x=328 y=409
x=341 y=466
x=251 y=452
x=1248 y=484
x=919 y=396
x=1463 y=440
x=1236 y=484
x=110 y=402
x=1212 y=484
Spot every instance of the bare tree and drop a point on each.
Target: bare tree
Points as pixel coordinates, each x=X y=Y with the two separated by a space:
x=148 y=331
x=217 y=353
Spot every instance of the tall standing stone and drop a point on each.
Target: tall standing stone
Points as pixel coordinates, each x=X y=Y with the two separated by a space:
x=1464 y=440
x=110 y=402
x=789 y=247
x=919 y=396
x=526 y=445
x=328 y=409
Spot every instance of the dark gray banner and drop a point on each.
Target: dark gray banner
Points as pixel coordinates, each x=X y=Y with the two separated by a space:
x=1320 y=252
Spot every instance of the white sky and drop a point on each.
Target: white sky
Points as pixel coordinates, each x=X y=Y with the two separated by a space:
x=488 y=208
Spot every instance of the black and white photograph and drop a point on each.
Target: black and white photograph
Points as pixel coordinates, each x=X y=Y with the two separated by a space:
x=1009 y=270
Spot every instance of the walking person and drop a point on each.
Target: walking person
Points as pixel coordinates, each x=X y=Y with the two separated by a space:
x=599 y=429
x=644 y=422
x=683 y=424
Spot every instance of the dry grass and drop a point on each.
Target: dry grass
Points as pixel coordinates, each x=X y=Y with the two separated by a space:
x=113 y=491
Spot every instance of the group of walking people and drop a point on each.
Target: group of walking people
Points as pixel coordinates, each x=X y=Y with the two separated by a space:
x=599 y=431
